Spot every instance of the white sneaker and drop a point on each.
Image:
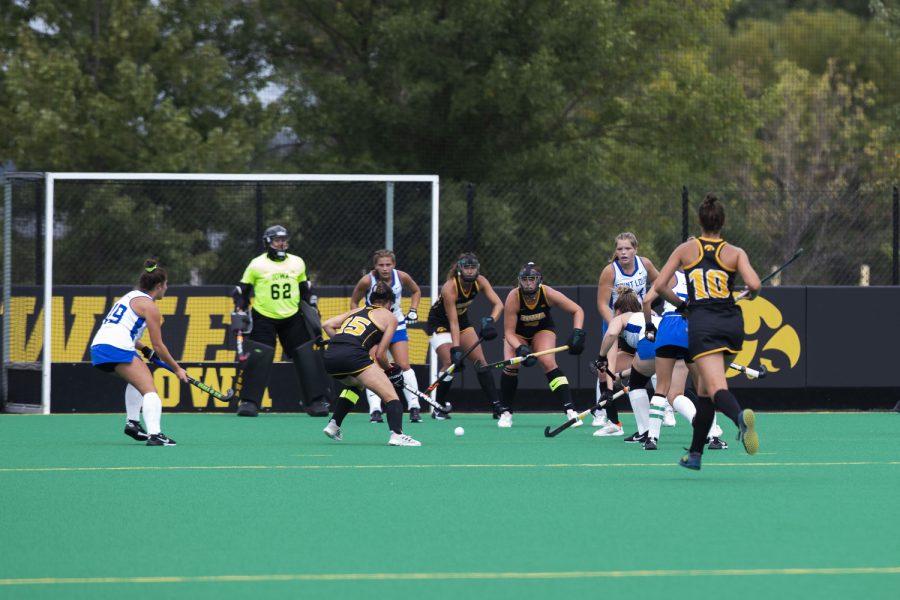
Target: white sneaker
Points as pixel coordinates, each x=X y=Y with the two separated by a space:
x=610 y=429
x=600 y=419
x=669 y=417
x=505 y=419
x=401 y=439
x=572 y=414
x=333 y=431
x=715 y=431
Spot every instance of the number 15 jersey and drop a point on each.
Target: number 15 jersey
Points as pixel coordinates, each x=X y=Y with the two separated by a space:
x=276 y=285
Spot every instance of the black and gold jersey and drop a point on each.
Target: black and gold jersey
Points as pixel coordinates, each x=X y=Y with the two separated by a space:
x=709 y=282
x=533 y=316
x=438 y=314
x=359 y=328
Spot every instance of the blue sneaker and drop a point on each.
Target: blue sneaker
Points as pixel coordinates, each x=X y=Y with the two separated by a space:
x=691 y=460
x=747 y=431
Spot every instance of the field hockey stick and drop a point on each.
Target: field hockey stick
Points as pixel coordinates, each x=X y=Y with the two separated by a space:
x=583 y=414
x=519 y=359
x=751 y=373
x=443 y=376
x=426 y=398
x=198 y=384
x=768 y=277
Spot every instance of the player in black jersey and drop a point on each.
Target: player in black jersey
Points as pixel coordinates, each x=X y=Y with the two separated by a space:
x=450 y=330
x=528 y=327
x=360 y=338
x=715 y=322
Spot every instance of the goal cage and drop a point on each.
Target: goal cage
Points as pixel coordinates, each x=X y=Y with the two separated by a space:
x=204 y=229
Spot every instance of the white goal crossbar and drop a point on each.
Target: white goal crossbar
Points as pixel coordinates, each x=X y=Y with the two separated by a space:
x=51 y=178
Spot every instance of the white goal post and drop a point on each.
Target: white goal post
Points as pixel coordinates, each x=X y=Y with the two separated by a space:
x=51 y=178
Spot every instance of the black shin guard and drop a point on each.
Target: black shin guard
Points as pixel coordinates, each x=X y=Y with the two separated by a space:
x=727 y=404
x=443 y=389
x=612 y=413
x=508 y=386
x=393 y=410
x=703 y=420
x=559 y=386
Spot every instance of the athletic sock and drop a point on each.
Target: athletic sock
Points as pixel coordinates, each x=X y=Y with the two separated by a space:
x=612 y=413
x=702 y=423
x=508 y=385
x=711 y=427
x=344 y=404
x=443 y=389
x=486 y=381
x=728 y=405
x=393 y=409
x=152 y=412
x=133 y=401
x=685 y=407
x=657 y=412
x=409 y=378
x=374 y=401
x=640 y=405
x=559 y=386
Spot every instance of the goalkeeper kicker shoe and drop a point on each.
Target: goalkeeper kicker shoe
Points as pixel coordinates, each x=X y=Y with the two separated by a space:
x=247 y=408
x=159 y=439
x=135 y=430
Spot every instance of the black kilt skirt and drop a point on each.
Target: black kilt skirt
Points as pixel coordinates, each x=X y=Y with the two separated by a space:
x=715 y=328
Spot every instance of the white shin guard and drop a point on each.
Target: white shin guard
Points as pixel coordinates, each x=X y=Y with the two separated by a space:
x=640 y=404
x=374 y=401
x=684 y=407
x=409 y=378
x=657 y=413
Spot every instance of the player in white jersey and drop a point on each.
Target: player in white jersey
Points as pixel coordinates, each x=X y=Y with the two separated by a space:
x=625 y=269
x=385 y=263
x=113 y=351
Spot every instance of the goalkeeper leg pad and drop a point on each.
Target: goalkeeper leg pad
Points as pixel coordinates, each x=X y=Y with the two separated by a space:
x=316 y=384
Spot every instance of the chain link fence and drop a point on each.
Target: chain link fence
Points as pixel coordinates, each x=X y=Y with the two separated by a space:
x=206 y=233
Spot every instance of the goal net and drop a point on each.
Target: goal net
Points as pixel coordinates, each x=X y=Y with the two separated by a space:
x=73 y=242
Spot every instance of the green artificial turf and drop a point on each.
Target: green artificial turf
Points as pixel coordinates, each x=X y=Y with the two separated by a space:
x=271 y=508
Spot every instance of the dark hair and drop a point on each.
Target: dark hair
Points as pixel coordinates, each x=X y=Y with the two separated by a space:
x=627 y=300
x=463 y=258
x=381 y=293
x=712 y=213
x=152 y=276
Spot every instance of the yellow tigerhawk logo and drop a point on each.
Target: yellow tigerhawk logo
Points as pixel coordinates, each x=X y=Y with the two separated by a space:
x=764 y=326
x=709 y=247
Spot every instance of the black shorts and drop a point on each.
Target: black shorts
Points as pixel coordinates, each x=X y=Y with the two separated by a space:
x=438 y=323
x=673 y=352
x=342 y=360
x=528 y=333
x=715 y=328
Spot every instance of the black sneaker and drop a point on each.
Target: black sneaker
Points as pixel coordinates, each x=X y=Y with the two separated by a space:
x=439 y=414
x=650 y=444
x=415 y=416
x=375 y=417
x=135 y=430
x=319 y=408
x=717 y=443
x=247 y=408
x=636 y=438
x=159 y=439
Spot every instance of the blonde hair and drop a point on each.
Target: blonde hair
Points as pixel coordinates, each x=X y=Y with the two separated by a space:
x=384 y=253
x=625 y=235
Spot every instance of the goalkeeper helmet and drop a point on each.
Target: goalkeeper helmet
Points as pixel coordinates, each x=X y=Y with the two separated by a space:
x=276 y=232
x=530 y=279
x=464 y=267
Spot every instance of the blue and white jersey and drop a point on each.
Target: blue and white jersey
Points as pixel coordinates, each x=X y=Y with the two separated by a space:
x=122 y=326
x=636 y=280
x=397 y=287
x=634 y=330
x=680 y=288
